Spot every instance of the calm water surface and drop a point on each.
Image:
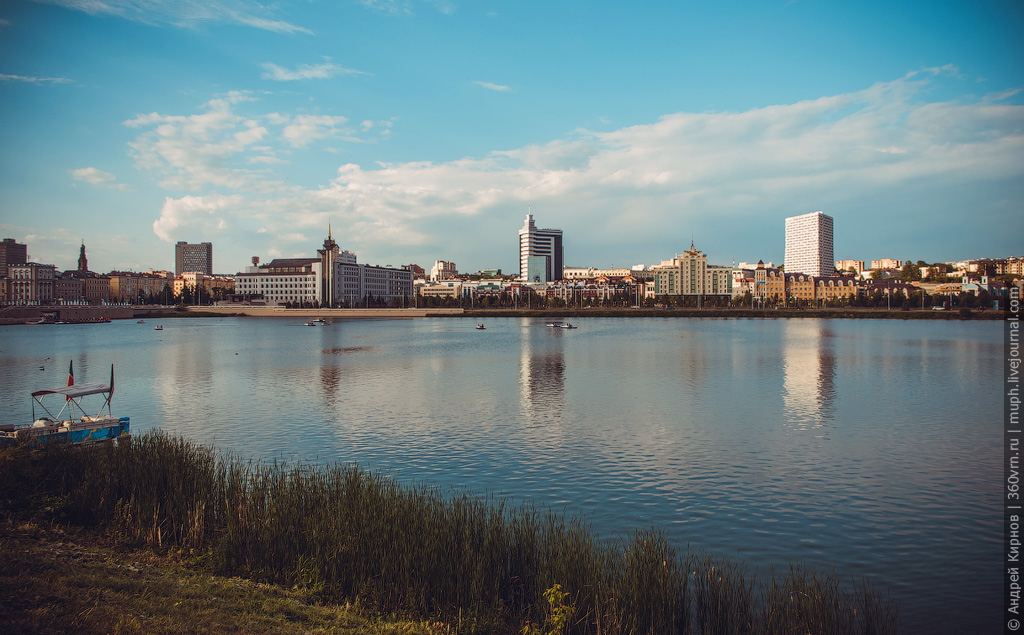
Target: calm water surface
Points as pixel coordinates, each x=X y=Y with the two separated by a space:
x=871 y=447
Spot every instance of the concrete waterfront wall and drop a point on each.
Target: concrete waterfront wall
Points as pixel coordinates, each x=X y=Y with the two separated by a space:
x=332 y=314
x=23 y=314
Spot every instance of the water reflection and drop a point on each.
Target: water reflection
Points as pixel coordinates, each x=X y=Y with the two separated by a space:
x=809 y=374
x=542 y=375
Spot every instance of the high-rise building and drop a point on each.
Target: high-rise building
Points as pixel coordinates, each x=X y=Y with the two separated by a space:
x=546 y=243
x=192 y=257
x=809 y=245
x=12 y=253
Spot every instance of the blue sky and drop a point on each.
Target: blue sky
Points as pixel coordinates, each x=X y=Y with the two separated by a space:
x=422 y=131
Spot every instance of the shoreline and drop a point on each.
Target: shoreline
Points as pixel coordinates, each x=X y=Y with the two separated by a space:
x=844 y=313
x=86 y=315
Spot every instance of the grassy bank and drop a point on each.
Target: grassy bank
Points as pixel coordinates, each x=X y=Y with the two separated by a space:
x=58 y=579
x=343 y=535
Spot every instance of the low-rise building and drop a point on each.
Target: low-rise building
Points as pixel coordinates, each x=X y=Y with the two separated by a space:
x=281 y=281
x=886 y=263
x=133 y=287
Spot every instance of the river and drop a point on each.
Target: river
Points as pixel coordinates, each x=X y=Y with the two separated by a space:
x=871 y=447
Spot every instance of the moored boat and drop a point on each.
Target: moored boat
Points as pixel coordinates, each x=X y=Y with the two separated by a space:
x=72 y=423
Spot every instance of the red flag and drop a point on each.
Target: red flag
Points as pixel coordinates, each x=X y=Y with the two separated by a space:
x=71 y=376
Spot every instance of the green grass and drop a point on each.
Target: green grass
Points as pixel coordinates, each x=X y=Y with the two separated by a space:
x=344 y=535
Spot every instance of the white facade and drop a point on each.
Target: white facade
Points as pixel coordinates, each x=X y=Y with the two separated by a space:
x=283 y=280
x=809 y=245
x=443 y=270
x=546 y=243
x=31 y=283
x=355 y=282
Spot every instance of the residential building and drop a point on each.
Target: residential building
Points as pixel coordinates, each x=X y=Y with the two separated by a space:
x=809 y=244
x=12 y=253
x=843 y=266
x=443 y=270
x=540 y=243
x=132 y=287
x=31 y=283
x=1015 y=266
x=886 y=263
x=193 y=257
x=68 y=290
x=689 y=274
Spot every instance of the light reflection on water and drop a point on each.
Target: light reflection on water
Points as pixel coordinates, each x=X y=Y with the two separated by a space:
x=868 y=446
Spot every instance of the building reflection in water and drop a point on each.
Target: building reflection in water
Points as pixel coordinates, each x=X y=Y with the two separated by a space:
x=809 y=374
x=542 y=375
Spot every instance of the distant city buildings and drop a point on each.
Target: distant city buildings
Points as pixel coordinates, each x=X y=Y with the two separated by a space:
x=193 y=257
x=689 y=274
x=334 y=278
x=809 y=244
x=443 y=270
x=13 y=253
x=540 y=253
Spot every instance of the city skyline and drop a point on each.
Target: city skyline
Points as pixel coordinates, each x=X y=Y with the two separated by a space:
x=424 y=131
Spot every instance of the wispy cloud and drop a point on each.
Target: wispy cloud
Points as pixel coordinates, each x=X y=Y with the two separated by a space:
x=35 y=80
x=98 y=177
x=223 y=147
x=187 y=13
x=306 y=71
x=496 y=87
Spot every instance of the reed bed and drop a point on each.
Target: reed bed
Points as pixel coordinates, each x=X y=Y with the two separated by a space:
x=476 y=563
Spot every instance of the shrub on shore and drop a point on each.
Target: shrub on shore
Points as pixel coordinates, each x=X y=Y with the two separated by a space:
x=347 y=534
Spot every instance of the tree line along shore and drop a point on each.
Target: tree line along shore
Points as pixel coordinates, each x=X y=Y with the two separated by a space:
x=446 y=562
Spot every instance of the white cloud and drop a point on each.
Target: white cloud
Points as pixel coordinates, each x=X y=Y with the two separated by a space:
x=98 y=177
x=304 y=129
x=192 y=211
x=306 y=71
x=39 y=81
x=732 y=171
x=219 y=146
x=496 y=87
x=186 y=13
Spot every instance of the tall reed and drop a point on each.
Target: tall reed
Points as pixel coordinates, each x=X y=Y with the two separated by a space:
x=347 y=534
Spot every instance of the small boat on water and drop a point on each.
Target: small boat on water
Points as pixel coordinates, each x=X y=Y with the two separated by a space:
x=141 y=322
x=480 y=327
x=72 y=423
x=158 y=327
x=560 y=325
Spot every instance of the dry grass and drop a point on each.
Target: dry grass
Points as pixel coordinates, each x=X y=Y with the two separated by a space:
x=340 y=535
x=66 y=580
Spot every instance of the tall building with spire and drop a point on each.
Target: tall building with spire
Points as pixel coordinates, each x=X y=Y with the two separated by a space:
x=535 y=244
